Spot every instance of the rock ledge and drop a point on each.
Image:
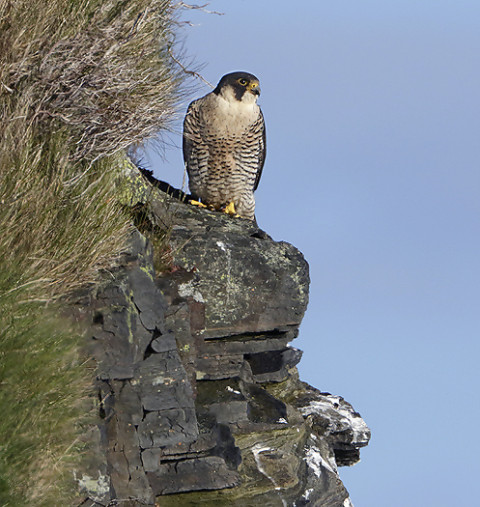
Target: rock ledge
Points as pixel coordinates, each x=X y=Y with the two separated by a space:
x=198 y=390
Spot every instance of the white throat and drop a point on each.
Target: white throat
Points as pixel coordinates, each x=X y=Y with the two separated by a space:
x=245 y=109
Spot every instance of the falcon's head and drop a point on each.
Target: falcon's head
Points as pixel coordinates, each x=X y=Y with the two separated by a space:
x=240 y=86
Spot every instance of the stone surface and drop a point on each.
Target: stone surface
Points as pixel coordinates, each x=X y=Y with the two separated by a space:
x=199 y=397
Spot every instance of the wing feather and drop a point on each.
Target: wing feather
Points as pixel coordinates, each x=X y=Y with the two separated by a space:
x=190 y=132
x=262 y=149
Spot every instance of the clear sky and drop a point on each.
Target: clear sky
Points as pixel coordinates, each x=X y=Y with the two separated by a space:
x=373 y=172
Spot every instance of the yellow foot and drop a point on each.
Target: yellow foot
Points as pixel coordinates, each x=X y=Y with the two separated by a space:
x=230 y=209
x=197 y=203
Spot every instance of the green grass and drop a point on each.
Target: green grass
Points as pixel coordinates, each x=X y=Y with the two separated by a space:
x=44 y=385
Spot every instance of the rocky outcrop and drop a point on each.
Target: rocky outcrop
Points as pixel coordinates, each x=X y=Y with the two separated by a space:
x=199 y=396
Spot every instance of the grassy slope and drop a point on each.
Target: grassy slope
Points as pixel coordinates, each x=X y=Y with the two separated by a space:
x=79 y=82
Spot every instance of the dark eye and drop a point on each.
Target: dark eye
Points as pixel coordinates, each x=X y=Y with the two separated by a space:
x=243 y=81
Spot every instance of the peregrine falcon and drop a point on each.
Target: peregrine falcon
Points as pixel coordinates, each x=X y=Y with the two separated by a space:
x=224 y=145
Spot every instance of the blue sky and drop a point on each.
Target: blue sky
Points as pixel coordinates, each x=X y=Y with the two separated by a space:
x=373 y=122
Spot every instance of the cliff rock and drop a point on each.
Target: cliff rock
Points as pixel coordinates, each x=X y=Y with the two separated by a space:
x=198 y=392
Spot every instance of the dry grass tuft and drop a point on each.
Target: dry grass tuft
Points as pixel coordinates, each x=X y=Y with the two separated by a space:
x=103 y=68
x=80 y=81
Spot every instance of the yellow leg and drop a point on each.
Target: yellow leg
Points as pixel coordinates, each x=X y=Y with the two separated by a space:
x=197 y=203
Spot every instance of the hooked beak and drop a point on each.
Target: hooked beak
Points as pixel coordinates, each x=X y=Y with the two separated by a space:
x=254 y=88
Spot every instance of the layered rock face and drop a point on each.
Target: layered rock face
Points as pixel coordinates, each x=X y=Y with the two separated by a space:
x=199 y=396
